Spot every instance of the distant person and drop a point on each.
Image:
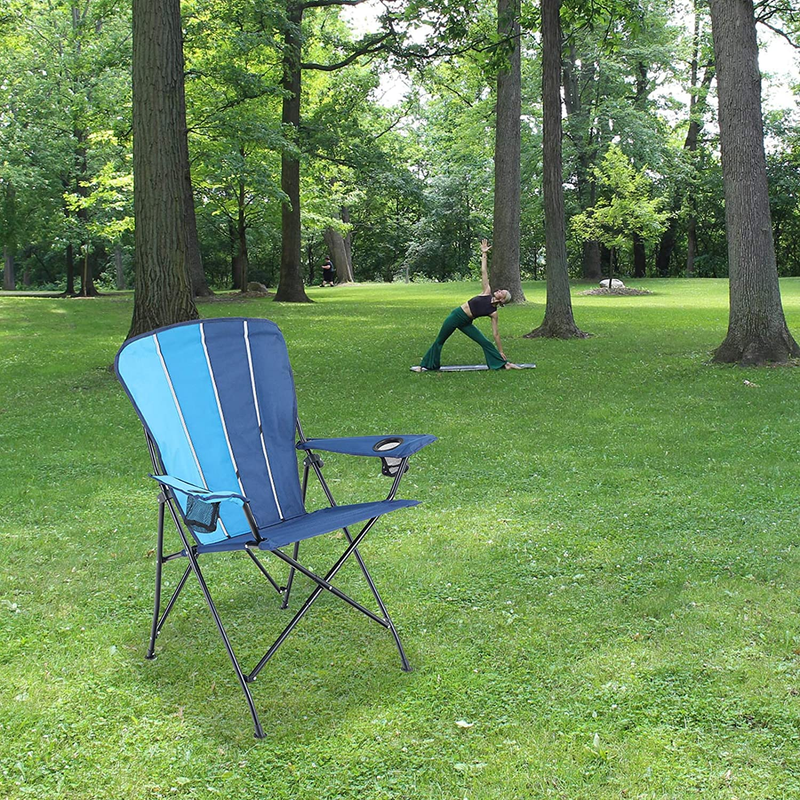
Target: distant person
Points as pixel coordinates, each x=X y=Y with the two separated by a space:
x=327 y=273
x=484 y=304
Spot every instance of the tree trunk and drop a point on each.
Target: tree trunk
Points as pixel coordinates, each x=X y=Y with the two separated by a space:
x=88 y=288
x=666 y=245
x=241 y=259
x=290 y=283
x=348 y=242
x=69 y=257
x=591 y=266
x=337 y=247
x=639 y=257
x=757 y=331
x=163 y=292
x=504 y=272
x=9 y=279
x=558 y=320
x=120 y=272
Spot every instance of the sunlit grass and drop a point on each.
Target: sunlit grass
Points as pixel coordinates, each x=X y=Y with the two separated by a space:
x=600 y=585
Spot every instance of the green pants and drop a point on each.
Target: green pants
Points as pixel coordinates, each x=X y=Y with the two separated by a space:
x=458 y=320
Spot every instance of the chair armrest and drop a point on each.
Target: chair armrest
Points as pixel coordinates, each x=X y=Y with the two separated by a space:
x=206 y=495
x=378 y=446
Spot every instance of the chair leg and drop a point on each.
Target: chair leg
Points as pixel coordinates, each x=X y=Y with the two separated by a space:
x=195 y=568
x=159 y=564
x=264 y=572
x=290 y=579
x=259 y=731
x=405 y=666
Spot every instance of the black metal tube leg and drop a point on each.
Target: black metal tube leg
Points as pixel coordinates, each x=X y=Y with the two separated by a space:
x=405 y=666
x=259 y=731
x=159 y=563
x=290 y=579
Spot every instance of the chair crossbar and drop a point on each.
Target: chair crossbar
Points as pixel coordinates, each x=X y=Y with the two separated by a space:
x=322 y=585
x=170 y=604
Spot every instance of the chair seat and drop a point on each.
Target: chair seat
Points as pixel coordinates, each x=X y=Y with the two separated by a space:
x=308 y=525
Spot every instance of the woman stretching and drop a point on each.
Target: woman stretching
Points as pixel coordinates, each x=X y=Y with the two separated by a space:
x=484 y=304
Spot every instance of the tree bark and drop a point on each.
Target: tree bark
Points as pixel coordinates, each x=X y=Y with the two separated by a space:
x=558 y=320
x=290 y=283
x=339 y=250
x=163 y=292
x=194 y=258
x=639 y=258
x=757 y=330
x=120 y=272
x=69 y=257
x=504 y=272
x=9 y=279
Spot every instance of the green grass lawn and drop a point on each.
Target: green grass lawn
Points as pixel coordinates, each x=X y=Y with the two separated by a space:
x=599 y=593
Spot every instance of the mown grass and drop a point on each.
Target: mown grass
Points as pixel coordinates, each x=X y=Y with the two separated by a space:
x=601 y=583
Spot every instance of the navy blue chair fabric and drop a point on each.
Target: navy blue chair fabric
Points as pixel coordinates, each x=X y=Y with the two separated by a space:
x=217 y=401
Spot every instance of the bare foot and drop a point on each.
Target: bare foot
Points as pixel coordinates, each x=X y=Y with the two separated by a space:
x=509 y=365
x=418 y=369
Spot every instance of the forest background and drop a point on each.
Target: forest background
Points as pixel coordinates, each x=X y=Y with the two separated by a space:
x=395 y=186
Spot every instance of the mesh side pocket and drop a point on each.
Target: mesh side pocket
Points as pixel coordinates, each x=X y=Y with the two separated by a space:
x=201 y=516
x=391 y=466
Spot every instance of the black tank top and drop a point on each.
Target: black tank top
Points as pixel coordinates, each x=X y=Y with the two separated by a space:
x=481 y=305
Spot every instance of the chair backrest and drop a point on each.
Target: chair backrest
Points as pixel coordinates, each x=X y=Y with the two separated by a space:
x=217 y=399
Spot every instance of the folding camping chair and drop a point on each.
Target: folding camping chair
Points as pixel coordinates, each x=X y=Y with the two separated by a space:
x=218 y=405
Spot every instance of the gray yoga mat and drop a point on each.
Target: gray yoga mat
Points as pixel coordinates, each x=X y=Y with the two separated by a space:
x=470 y=368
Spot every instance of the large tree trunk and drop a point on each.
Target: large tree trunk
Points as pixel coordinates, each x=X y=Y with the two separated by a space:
x=290 y=283
x=558 y=320
x=757 y=331
x=9 y=279
x=504 y=272
x=348 y=242
x=163 y=292
x=338 y=249
x=194 y=258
